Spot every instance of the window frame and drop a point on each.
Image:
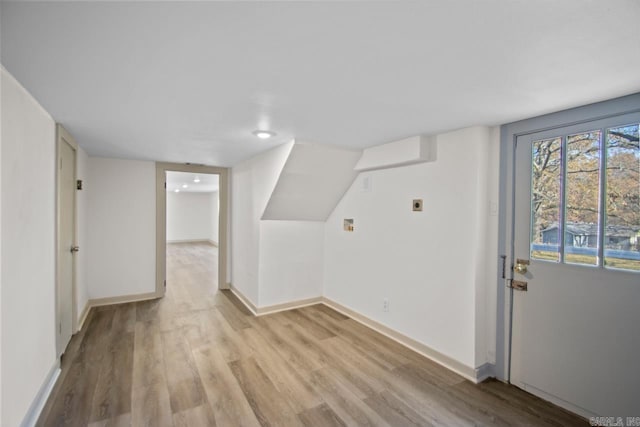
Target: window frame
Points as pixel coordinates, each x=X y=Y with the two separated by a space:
x=601 y=125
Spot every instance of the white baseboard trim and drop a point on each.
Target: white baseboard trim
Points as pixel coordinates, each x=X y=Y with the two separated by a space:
x=475 y=375
x=31 y=418
x=275 y=308
x=83 y=316
x=97 y=302
x=213 y=242
x=123 y=299
x=483 y=372
x=453 y=365
x=270 y=309
x=192 y=241
x=244 y=300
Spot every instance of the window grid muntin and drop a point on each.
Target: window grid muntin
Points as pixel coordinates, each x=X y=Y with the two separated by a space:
x=635 y=125
x=532 y=228
x=602 y=213
x=566 y=140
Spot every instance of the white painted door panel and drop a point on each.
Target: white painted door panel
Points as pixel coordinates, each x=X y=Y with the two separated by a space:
x=66 y=240
x=576 y=330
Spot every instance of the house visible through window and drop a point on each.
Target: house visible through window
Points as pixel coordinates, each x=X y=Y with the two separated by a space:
x=586 y=188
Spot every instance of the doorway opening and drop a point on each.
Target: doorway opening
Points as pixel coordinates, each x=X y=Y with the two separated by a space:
x=192 y=213
x=191 y=228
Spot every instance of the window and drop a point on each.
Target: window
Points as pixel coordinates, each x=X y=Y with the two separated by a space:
x=585 y=201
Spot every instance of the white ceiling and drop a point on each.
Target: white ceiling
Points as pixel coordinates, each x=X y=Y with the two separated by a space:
x=176 y=181
x=190 y=81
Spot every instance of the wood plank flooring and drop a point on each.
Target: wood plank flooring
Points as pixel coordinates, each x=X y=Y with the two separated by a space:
x=198 y=358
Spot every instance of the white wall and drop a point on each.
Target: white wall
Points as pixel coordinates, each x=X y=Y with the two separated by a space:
x=82 y=293
x=312 y=182
x=28 y=256
x=487 y=286
x=253 y=182
x=427 y=264
x=291 y=261
x=1 y=138
x=190 y=217
x=121 y=238
x=214 y=203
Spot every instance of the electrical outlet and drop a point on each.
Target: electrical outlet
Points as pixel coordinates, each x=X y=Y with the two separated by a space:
x=385 y=305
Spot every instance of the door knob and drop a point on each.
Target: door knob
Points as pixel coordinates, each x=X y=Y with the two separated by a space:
x=75 y=249
x=521 y=266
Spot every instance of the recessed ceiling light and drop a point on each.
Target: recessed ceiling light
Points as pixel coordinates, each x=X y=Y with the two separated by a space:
x=196 y=179
x=264 y=134
x=184 y=185
x=177 y=190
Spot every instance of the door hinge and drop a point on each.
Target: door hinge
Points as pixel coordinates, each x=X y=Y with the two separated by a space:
x=165 y=185
x=165 y=283
x=518 y=285
x=504 y=266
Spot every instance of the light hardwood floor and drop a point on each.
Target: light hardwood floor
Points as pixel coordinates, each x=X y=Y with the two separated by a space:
x=198 y=358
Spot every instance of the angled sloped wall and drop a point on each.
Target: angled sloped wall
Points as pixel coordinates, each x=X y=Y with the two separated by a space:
x=312 y=182
x=437 y=268
x=280 y=201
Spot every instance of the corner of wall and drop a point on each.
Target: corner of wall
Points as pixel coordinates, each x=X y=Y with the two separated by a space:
x=487 y=194
x=391 y=244
x=252 y=182
x=291 y=261
x=28 y=151
x=82 y=288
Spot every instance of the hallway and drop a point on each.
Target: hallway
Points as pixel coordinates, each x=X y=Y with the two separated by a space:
x=198 y=358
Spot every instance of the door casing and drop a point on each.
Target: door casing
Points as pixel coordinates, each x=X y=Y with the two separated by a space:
x=64 y=137
x=161 y=220
x=547 y=311
x=508 y=136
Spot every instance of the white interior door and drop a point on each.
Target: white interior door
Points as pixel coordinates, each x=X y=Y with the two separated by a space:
x=576 y=329
x=66 y=241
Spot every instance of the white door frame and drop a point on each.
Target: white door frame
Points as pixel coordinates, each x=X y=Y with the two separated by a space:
x=508 y=135
x=161 y=220
x=64 y=137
